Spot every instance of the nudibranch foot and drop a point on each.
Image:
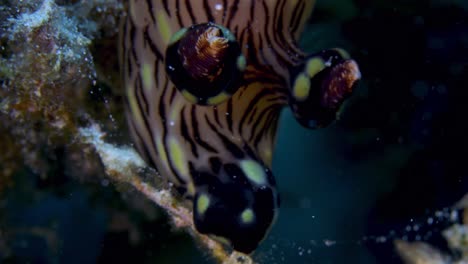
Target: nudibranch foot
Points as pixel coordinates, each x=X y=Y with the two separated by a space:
x=205 y=63
x=320 y=85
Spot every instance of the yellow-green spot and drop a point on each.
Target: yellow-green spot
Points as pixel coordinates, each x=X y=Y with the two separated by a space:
x=190 y=97
x=301 y=87
x=314 y=66
x=191 y=188
x=136 y=114
x=247 y=216
x=176 y=107
x=147 y=75
x=241 y=63
x=343 y=53
x=218 y=98
x=254 y=171
x=203 y=202
x=161 y=151
x=163 y=26
x=178 y=157
x=177 y=36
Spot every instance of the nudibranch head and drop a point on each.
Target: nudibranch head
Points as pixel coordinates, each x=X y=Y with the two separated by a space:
x=205 y=63
x=238 y=205
x=321 y=85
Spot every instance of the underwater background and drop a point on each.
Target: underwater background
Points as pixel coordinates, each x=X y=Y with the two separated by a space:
x=391 y=168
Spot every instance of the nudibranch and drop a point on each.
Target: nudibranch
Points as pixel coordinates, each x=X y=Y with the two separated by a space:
x=205 y=81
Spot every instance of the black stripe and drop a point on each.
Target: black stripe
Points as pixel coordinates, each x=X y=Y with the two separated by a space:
x=274 y=126
x=216 y=115
x=140 y=95
x=145 y=120
x=124 y=49
x=207 y=8
x=262 y=116
x=231 y=147
x=142 y=147
x=150 y=8
x=155 y=73
x=161 y=106
x=261 y=51
x=172 y=97
x=272 y=115
x=232 y=12
x=229 y=114
x=196 y=132
x=162 y=114
x=297 y=17
x=278 y=24
x=241 y=36
x=129 y=64
x=279 y=100
x=151 y=44
x=252 y=104
x=166 y=7
x=252 y=50
x=277 y=45
x=252 y=115
x=252 y=10
x=186 y=134
x=189 y=8
x=133 y=50
x=224 y=11
x=179 y=18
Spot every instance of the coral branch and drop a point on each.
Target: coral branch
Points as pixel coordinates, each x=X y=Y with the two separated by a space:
x=123 y=164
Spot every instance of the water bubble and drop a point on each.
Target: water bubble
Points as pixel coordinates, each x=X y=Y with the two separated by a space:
x=454 y=216
x=329 y=243
x=381 y=239
x=105 y=182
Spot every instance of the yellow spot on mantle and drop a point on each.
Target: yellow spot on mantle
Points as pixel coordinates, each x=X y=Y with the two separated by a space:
x=301 y=87
x=218 y=98
x=178 y=157
x=203 y=202
x=190 y=97
x=314 y=66
x=161 y=151
x=147 y=75
x=254 y=171
x=247 y=216
x=136 y=114
x=163 y=26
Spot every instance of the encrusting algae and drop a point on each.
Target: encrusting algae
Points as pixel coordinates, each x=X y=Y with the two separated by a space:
x=47 y=74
